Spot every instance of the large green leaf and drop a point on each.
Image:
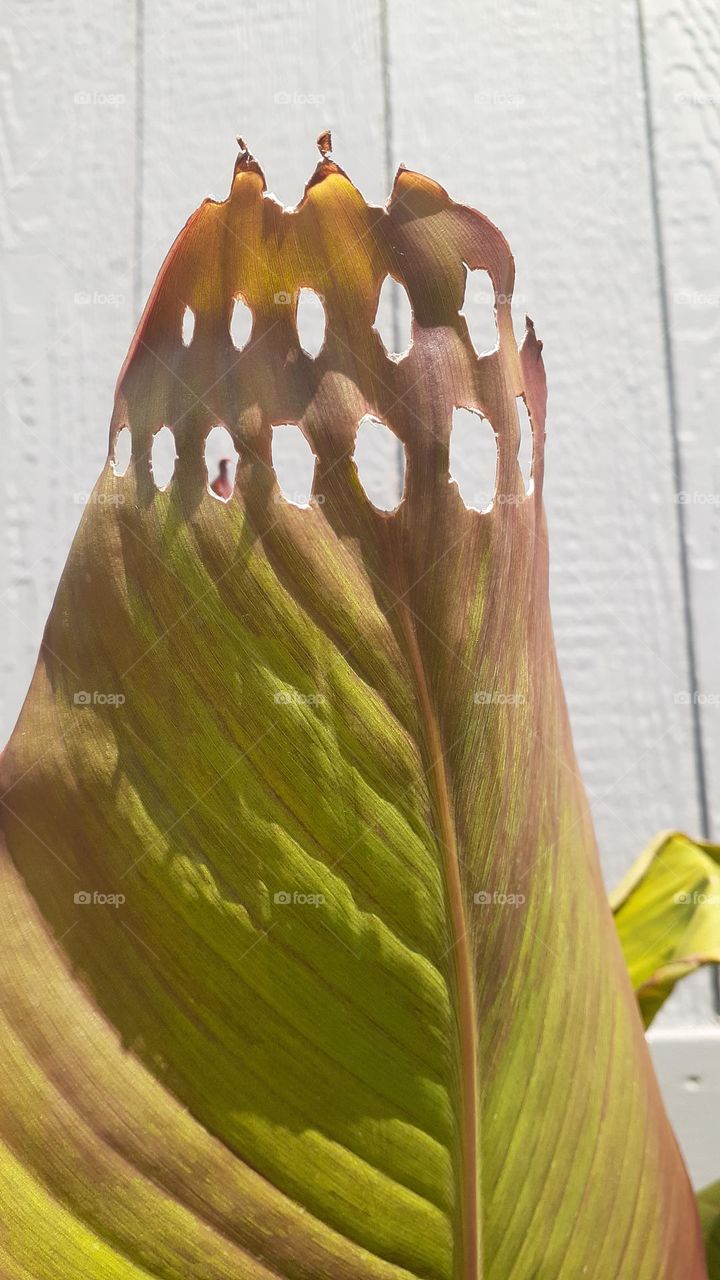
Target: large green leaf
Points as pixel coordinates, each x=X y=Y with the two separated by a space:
x=361 y=1012
x=667 y=913
x=709 y=1205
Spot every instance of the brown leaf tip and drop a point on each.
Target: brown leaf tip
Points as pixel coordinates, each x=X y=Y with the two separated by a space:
x=246 y=162
x=325 y=165
x=531 y=337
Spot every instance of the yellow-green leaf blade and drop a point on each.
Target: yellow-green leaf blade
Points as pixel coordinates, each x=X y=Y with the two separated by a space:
x=294 y=821
x=709 y=1206
x=667 y=914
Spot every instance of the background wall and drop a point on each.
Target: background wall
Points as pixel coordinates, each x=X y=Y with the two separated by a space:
x=588 y=132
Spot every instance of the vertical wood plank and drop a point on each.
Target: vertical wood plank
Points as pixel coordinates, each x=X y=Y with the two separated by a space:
x=65 y=313
x=682 y=49
x=687 y=1064
x=534 y=114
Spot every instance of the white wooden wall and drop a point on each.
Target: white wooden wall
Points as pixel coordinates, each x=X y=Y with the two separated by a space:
x=589 y=132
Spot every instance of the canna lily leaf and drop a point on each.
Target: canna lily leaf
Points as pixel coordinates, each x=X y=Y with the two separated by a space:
x=667 y=915
x=709 y=1205
x=308 y=969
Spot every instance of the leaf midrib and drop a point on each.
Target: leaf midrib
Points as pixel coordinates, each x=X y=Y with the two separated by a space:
x=468 y=1266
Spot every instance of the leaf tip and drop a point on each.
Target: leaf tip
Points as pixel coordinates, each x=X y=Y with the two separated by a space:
x=326 y=165
x=534 y=343
x=324 y=143
x=246 y=162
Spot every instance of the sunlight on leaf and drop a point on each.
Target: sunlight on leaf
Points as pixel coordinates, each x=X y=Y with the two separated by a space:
x=308 y=972
x=667 y=914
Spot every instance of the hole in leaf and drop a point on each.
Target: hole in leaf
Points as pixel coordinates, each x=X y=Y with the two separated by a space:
x=294 y=463
x=122 y=451
x=473 y=458
x=478 y=310
x=163 y=457
x=221 y=461
x=393 y=318
x=525 y=453
x=380 y=460
x=188 y=326
x=241 y=322
x=310 y=321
